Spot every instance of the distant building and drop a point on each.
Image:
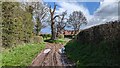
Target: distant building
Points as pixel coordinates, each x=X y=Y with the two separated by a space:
x=69 y=32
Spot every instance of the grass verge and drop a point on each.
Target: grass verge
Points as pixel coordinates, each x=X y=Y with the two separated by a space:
x=102 y=54
x=21 y=55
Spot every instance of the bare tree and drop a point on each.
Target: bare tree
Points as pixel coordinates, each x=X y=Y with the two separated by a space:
x=53 y=16
x=76 y=19
x=61 y=23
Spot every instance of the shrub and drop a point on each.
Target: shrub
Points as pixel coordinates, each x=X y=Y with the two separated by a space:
x=68 y=36
x=45 y=36
x=61 y=36
x=49 y=35
x=37 y=39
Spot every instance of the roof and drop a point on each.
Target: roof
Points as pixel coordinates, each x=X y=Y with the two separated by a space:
x=68 y=32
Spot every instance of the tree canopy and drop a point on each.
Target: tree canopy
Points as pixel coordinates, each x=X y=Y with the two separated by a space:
x=76 y=19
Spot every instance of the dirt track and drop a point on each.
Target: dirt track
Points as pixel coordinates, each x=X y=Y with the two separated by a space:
x=53 y=58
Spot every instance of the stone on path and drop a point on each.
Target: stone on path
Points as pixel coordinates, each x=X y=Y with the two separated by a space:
x=47 y=50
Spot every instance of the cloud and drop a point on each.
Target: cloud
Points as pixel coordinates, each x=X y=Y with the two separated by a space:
x=72 y=6
x=108 y=11
x=107 y=8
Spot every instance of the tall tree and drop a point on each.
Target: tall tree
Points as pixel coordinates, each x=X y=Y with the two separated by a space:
x=61 y=23
x=76 y=19
x=40 y=12
x=53 y=16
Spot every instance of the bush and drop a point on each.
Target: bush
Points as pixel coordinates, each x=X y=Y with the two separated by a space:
x=45 y=36
x=37 y=39
x=68 y=36
x=49 y=35
x=61 y=36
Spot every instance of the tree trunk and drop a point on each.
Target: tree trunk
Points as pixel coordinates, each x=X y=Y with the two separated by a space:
x=59 y=32
x=76 y=31
x=58 y=29
x=53 y=31
x=53 y=28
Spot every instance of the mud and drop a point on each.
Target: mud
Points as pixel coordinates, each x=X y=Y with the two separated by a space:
x=53 y=58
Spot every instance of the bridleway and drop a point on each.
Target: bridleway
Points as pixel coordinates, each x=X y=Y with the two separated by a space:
x=52 y=56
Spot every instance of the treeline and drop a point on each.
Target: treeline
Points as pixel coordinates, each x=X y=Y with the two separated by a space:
x=17 y=26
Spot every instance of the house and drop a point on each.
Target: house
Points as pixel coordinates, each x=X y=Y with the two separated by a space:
x=69 y=32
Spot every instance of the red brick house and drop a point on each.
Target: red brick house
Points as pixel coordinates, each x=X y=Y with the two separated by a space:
x=69 y=32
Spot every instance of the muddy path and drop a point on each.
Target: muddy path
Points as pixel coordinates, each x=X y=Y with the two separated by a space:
x=53 y=57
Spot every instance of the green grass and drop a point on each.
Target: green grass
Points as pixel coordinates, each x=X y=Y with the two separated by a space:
x=46 y=38
x=57 y=41
x=0 y=58
x=62 y=41
x=21 y=55
x=102 y=54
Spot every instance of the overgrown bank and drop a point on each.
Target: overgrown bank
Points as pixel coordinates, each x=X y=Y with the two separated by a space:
x=89 y=50
x=21 y=55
